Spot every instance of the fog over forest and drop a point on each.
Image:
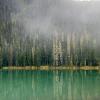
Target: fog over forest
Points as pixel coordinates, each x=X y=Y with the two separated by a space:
x=49 y=32
x=64 y=15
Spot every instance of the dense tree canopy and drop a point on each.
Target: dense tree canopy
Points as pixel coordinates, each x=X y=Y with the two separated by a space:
x=19 y=47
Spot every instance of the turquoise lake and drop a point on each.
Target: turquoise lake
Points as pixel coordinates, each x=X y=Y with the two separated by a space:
x=49 y=85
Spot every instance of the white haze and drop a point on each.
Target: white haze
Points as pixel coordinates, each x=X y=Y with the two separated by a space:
x=68 y=16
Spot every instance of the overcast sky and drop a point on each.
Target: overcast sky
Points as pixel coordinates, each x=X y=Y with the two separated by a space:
x=64 y=15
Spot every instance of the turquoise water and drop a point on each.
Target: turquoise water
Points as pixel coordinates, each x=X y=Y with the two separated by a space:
x=49 y=85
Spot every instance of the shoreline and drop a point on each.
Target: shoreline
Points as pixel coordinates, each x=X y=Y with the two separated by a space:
x=51 y=68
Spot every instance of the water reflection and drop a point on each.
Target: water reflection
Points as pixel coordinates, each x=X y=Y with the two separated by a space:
x=49 y=85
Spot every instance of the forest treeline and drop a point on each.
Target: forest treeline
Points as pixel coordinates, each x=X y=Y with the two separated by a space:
x=58 y=48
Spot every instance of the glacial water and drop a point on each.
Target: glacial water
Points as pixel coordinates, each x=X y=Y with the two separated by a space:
x=49 y=85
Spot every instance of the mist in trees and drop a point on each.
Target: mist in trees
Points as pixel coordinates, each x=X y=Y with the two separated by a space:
x=49 y=32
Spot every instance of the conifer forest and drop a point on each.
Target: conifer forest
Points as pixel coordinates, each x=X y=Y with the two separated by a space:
x=39 y=33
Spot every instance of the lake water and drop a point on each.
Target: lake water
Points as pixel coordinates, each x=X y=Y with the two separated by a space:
x=49 y=85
